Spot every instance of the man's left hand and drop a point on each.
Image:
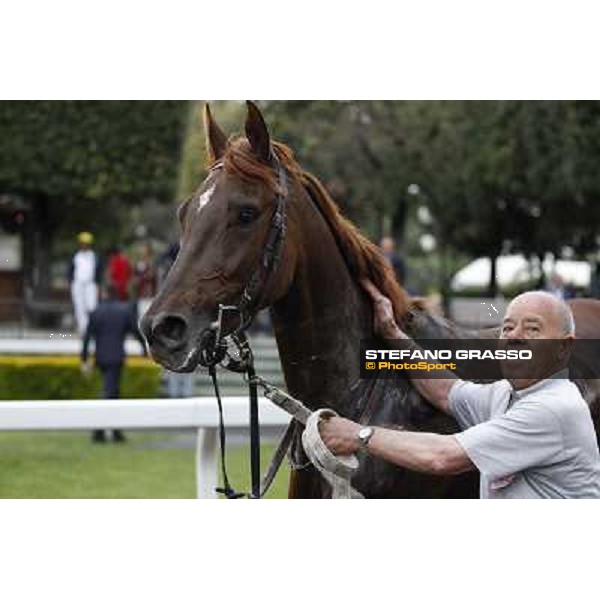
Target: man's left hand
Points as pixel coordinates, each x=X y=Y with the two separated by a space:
x=340 y=435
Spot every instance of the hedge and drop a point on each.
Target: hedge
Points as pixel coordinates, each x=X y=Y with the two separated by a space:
x=60 y=378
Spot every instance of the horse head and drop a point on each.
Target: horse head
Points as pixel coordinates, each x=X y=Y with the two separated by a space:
x=232 y=250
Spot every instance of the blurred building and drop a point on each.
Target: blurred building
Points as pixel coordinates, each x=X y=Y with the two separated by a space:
x=514 y=271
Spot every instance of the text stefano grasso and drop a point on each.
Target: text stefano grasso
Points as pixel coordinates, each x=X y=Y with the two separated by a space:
x=417 y=354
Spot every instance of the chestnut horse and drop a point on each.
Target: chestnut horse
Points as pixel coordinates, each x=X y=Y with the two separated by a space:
x=319 y=311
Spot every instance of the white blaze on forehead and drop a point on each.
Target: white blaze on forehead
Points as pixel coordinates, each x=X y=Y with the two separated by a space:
x=205 y=197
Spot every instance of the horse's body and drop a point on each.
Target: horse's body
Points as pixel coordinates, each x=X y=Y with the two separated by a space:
x=319 y=325
x=319 y=311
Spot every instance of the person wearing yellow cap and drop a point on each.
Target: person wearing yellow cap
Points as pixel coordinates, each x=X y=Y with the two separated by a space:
x=85 y=238
x=84 y=276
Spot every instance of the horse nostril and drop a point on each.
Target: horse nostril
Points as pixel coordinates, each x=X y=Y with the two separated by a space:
x=171 y=330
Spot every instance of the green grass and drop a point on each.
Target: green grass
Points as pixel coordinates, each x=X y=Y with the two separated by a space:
x=149 y=465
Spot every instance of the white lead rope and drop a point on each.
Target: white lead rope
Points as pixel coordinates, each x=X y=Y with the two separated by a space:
x=336 y=470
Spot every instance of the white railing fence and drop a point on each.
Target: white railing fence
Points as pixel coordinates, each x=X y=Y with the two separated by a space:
x=193 y=413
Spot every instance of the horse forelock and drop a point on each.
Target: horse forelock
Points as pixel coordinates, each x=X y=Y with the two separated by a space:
x=363 y=258
x=240 y=160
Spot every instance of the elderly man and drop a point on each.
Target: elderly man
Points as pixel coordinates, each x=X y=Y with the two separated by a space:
x=528 y=437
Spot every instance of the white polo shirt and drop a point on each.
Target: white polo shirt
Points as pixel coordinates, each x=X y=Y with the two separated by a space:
x=538 y=442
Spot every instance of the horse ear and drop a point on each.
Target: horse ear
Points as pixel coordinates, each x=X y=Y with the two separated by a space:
x=257 y=132
x=216 y=142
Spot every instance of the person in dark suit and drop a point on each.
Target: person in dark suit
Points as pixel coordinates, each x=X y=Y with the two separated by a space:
x=388 y=247
x=109 y=325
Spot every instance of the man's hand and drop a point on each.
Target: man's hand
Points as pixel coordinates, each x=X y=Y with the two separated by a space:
x=340 y=435
x=384 y=321
x=434 y=390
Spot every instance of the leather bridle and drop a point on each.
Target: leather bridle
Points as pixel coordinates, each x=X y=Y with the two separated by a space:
x=215 y=351
x=253 y=293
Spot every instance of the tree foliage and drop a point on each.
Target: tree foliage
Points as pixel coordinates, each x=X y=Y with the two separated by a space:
x=90 y=150
x=82 y=165
x=496 y=176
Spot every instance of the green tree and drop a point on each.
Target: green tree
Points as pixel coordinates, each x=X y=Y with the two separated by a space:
x=79 y=163
x=496 y=176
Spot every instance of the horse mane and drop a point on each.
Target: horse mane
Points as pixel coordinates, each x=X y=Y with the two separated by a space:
x=363 y=258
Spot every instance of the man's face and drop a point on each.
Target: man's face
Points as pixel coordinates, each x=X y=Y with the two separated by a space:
x=387 y=245
x=532 y=317
x=528 y=319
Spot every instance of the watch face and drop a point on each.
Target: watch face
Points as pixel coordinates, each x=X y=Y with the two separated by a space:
x=365 y=434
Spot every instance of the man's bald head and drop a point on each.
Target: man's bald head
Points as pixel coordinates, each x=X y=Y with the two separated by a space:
x=539 y=314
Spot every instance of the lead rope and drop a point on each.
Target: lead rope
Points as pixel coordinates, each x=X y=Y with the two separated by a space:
x=336 y=470
x=254 y=433
x=226 y=490
x=247 y=360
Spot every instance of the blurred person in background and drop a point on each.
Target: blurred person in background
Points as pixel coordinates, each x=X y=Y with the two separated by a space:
x=109 y=325
x=556 y=287
x=84 y=277
x=179 y=385
x=388 y=247
x=144 y=279
x=119 y=272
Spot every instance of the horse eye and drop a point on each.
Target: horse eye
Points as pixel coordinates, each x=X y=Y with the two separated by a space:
x=248 y=214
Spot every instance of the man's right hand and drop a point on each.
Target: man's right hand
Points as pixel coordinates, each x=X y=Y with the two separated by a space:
x=435 y=391
x=384 y=321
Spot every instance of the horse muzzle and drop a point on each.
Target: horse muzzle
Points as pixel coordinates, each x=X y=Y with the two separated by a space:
x=174 y=342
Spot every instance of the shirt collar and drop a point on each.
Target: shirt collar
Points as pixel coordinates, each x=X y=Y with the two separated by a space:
x=542 y=384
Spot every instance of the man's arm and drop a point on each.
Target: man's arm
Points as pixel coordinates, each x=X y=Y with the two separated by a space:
x=435 y=390
x=425 y=452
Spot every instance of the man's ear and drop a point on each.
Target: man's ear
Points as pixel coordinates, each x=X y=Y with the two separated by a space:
x=216 y=142
x=566 y=347
x=257 y=132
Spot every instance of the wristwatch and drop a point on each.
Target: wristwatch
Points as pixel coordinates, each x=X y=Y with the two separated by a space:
x=365 y=435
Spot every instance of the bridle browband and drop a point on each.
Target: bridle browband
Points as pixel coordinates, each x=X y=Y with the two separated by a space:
x=216 y=350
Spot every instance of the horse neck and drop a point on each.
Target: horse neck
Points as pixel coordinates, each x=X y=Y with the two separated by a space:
x=319 y=324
